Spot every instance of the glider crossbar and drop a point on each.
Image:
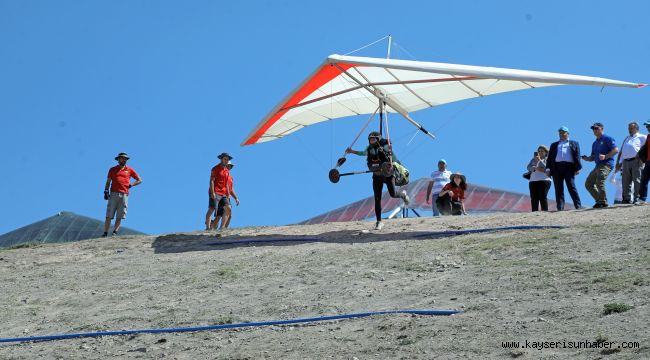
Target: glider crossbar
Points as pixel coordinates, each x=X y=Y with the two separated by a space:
x=373 y=84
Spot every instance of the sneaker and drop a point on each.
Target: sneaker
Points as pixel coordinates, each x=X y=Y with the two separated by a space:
x=379 y=225
x=641 y=202
x=114 y=233
x=406 y=198
x=105 y=234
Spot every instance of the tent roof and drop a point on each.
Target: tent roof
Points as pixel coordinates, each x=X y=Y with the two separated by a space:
x=62 y=227
x=348 y=85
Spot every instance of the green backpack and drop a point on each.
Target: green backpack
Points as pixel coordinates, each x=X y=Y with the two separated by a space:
x=401 y=174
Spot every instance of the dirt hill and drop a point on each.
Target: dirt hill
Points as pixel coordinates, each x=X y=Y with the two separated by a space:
x=541 y=285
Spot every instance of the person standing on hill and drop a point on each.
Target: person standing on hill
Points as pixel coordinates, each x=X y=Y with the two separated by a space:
x=219 y=190
x=119 y=181
x=439 y=179
x=603 y=151
x=629 y=165
x=563 y=164
x=644 y=157
x=225 y=202
x=539 y=182
x=378 y=153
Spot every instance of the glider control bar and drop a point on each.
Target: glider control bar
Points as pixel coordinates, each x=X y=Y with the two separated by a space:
x=385 y=98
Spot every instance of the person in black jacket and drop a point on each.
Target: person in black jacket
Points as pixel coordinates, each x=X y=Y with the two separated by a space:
x=378 y=152
x=645 y=176
x=563 y=164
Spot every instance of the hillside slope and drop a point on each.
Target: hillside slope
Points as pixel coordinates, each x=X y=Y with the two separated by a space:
x=538 y=285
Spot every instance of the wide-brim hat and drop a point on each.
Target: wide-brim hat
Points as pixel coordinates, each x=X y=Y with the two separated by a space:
x=124 y=155
x=462 y=177
x=222 y=155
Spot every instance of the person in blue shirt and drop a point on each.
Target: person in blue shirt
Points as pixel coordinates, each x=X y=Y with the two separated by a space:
x=603 y=151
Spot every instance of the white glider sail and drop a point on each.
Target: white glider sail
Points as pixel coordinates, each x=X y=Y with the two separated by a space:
x=349 y=85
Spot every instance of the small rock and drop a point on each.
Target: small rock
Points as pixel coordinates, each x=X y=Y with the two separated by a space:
x=454 y=298
x=229 y=341
x=516 y=353
x=160 y=341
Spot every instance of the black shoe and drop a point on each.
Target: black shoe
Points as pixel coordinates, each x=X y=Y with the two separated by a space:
x=105 y=234
x=604 y=205
x=114 y=233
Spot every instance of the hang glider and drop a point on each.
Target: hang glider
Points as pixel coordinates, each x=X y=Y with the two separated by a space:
x=348 y=85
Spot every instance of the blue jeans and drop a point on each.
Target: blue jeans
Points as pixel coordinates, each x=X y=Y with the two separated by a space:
x=434 y=207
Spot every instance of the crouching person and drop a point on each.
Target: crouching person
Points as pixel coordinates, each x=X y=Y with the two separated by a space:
x=451 y=199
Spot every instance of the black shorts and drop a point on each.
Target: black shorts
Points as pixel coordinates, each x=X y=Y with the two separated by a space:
x=212 y=202
x=222 y=204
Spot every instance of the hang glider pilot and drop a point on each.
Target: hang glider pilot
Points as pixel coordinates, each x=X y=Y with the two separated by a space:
x=378 y=152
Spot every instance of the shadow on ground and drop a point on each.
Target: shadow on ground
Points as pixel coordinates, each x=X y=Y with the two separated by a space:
x=177 y=243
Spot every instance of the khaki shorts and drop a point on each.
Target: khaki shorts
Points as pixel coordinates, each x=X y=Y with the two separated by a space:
x=118 y=202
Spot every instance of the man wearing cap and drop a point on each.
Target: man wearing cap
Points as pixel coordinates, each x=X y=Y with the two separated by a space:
x=439 y=179
x=629 y=165
x=644 y=158
x=119 y=181
x=563 y=164
x=603 y=151
x=219 y=189
x=223 y=203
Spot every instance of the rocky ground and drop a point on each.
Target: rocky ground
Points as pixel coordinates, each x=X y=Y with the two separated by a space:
x=547 y=285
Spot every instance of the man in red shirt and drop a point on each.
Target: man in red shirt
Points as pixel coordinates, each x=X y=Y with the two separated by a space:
x=219 y=190
x=119 y=180
x=225 y=202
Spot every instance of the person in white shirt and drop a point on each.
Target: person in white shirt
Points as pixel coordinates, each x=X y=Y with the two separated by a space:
x=439 y=179
x=629 y=165
x=539 y=182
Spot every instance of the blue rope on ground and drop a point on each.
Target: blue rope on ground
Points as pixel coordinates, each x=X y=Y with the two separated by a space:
x=226 y=326
x=505 y=228
x=265 y=241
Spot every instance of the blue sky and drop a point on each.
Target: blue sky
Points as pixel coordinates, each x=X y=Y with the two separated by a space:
x=175 y=83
